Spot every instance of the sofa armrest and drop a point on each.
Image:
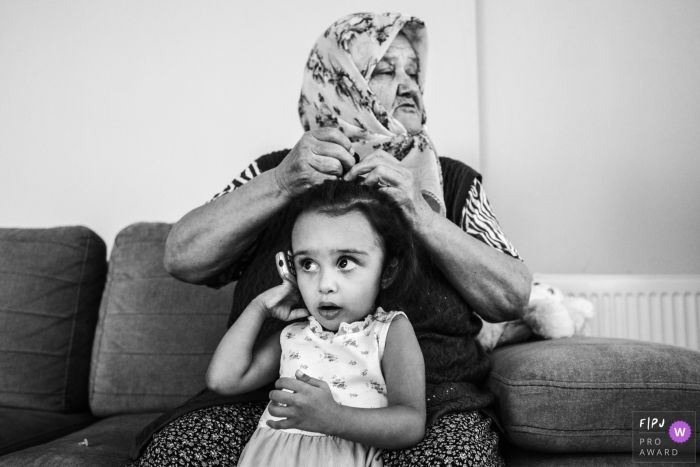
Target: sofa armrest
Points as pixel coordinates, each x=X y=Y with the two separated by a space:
x=579 y=394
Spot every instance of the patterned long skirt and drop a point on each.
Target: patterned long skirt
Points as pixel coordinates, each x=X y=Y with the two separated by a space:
x=215 y=436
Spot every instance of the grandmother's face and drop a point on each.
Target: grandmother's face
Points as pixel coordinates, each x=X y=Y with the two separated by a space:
x=395 y=83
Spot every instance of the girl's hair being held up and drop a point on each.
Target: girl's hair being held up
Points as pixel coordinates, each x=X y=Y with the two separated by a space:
x=395 y=235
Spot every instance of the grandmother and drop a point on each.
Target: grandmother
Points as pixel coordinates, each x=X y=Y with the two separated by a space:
x=362 y=109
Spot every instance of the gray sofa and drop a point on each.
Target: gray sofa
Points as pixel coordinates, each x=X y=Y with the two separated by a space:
x=91 y=352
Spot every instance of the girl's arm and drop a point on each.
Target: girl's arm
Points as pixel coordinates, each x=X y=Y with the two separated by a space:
x=400 y=425
x=236 y=367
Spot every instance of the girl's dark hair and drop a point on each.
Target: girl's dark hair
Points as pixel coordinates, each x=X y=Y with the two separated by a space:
x=339 y=197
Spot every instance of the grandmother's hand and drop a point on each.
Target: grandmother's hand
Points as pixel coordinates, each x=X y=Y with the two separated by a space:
x=322 y=154
x=382 y=169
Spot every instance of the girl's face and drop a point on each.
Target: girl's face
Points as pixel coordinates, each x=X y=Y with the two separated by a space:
x=338 y=261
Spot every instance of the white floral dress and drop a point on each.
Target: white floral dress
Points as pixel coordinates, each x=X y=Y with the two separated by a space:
x=349 y=360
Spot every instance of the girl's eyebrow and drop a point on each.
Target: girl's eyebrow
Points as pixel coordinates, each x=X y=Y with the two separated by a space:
x=352 y=252
x=344 y=251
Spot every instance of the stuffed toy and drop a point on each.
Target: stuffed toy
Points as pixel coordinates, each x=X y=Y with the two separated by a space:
x=549 y=314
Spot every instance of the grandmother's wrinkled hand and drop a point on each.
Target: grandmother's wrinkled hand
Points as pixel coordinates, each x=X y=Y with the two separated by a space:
x=382 y=169
x=321 y=154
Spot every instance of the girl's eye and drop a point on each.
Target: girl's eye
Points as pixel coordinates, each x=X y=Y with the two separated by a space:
x=346 y=264
x=308 y=265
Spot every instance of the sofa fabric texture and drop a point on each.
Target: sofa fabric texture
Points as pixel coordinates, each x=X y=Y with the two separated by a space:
x=51 y=282
x=155 y=335
x=102 y=444
x=23 y=428
x=579 y=394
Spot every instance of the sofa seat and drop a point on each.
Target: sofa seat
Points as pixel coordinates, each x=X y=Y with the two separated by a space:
x=21 y=428
x=580 y=394
x=516 y=457
x=108 y=443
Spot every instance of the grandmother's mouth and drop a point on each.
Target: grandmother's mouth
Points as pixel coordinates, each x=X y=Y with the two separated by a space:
x=406 y=105
x=407 y=108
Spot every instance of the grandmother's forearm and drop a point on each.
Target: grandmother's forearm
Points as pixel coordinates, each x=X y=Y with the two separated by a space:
x=208 y=239
x=496 y=285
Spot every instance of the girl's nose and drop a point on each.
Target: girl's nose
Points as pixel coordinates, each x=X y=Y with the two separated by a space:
x=327 y=283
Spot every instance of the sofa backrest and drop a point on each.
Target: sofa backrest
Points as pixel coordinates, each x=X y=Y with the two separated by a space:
x=51 y=282
x=155 y=335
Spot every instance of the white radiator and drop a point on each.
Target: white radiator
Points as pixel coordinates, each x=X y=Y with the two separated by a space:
x=663 y=308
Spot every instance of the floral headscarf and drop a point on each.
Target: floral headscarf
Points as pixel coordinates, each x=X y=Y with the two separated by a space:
x=335 y=93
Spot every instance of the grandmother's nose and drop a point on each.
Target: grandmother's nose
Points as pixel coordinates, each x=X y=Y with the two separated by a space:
x=407 y=85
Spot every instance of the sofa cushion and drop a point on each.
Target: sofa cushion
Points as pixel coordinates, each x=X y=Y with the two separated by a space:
x=105 y=443
x=156 y=335
x=579 y=394
x=516 y=457
x=51 y=282
x=22 y=428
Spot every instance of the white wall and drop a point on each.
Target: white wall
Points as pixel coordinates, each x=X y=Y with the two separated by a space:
x=113 y=112
x=117 y=112
x=590 y=118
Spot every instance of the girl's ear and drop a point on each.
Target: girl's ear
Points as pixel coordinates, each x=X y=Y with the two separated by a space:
x=390 y=273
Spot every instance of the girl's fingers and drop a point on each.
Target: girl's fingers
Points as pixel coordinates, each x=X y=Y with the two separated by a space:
x=281 y=397
x=309 y=380
x=280 y=411
x=298 y=313
x=290 y=383
x=281 y=424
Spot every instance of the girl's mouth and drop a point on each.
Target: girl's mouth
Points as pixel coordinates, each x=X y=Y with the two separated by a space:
x=328 y=310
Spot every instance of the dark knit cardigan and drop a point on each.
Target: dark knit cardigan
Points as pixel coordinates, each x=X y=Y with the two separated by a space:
x=444 y=323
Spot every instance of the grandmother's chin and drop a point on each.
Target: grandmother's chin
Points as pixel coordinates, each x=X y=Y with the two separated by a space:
x=410 y=118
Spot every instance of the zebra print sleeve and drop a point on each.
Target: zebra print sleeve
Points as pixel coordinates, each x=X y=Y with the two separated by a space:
x=247 y=175
x=237 y=268
x=479 y=221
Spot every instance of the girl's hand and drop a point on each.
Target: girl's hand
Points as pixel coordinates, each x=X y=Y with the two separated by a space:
x=280 y=302
x=396 y=180
x=322 y=154
x=310 y=407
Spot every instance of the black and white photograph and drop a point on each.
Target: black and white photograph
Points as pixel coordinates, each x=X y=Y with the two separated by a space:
x=372 y=233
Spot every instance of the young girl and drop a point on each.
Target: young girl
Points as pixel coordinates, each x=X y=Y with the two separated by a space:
x=351 y=375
